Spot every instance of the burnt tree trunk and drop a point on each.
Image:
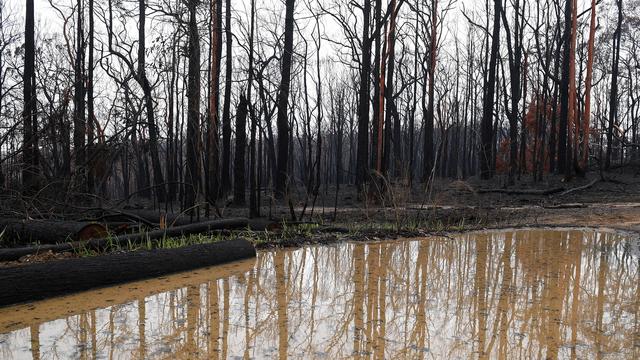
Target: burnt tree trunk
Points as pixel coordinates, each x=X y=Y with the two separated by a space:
x=486 y=126
x=79 y=120
x=193 y=114
x=283 y=103
x=564 y=91
x=226 y=112
x=428 y=151
x=589 y=79
x=158 y=178
x=362 y=157
x=241 y=143
x=90 y=110
x=39 y=281
x=254 y=200
x=213 y=183
x=30 y=168
x=21 y=232
x=613 y=97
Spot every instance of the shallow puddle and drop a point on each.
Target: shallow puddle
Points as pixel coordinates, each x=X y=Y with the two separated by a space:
x=510 y=294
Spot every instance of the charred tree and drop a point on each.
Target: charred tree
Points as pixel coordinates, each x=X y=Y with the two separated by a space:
x=254 y=192
x=428 y=150
x=587 y=102
x=30 y=167
x=193 y=110
x=90 y=107
x=283 y=104
x=515 y=70
x=487 y=165
x=613 y=97
x=226 y=112
x=563 y=151
x=79 y=117
x=241 y=143
x=362 y=157
x=213 y=183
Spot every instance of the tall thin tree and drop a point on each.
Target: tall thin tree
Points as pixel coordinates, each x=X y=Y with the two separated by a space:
x=226 y=107
x=213 y=183
x=79 y=116
x=613 y=96
x=193 y=110
x=486 y=124
x=30 y=168
x=283 y=103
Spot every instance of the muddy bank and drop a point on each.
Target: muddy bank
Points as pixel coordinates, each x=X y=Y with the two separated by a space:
x=54 y=278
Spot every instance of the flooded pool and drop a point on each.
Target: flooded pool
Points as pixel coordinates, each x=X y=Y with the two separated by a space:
x=509 y=294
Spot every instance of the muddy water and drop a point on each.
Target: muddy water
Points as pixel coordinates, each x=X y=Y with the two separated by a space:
x=523 y=294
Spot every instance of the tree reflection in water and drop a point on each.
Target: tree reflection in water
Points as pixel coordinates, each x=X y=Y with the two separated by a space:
x=510 y=294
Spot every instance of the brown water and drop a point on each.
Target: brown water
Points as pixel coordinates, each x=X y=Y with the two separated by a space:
x=524 y=294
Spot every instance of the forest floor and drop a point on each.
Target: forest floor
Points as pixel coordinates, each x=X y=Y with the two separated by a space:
x=456 y=206
x=447 y=207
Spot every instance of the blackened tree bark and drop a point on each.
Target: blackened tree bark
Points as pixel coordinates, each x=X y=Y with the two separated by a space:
x=172 y=121
x=90 y=111
x=429 y=119
x=563 y=166
x=283 y=103
x=572 y=119
x=362 y=157
x=486 y=126
x=587 y=102
x=213 y=183
x=193 y=111
x=241 y=143
x=378 y=109
x=515 y=70
x=390 y=109
x=613 y=97
x=254 y=192
x=226 y=113
x=378 y=69
x=397 y=167
x=158 y=178
x=388 y=94
x=79 y=120
x=553 y=136
x=30 y=169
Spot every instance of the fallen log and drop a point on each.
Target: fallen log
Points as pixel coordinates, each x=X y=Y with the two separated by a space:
x=523 y=191
x=20 y=232
x=125 y=240
x=12 y=318
x=584 y=187
x=566 y=206
x=148 y=217
x=43 y=280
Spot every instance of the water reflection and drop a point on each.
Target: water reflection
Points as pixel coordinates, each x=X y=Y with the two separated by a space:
x=513 y=294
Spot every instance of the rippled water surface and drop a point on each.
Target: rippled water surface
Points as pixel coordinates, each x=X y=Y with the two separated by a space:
x=510 y=294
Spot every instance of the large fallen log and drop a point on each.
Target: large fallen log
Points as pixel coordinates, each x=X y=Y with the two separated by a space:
x=39 y=281
x=523 y=191
x=18 y=231
x=147 y=216
x=12 y=318
x=125 y=240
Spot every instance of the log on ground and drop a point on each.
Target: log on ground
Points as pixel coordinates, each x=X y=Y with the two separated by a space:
x=523 y=191
x=43 y=280
x=148 y=217
x=18 y=231
x=126 y=240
